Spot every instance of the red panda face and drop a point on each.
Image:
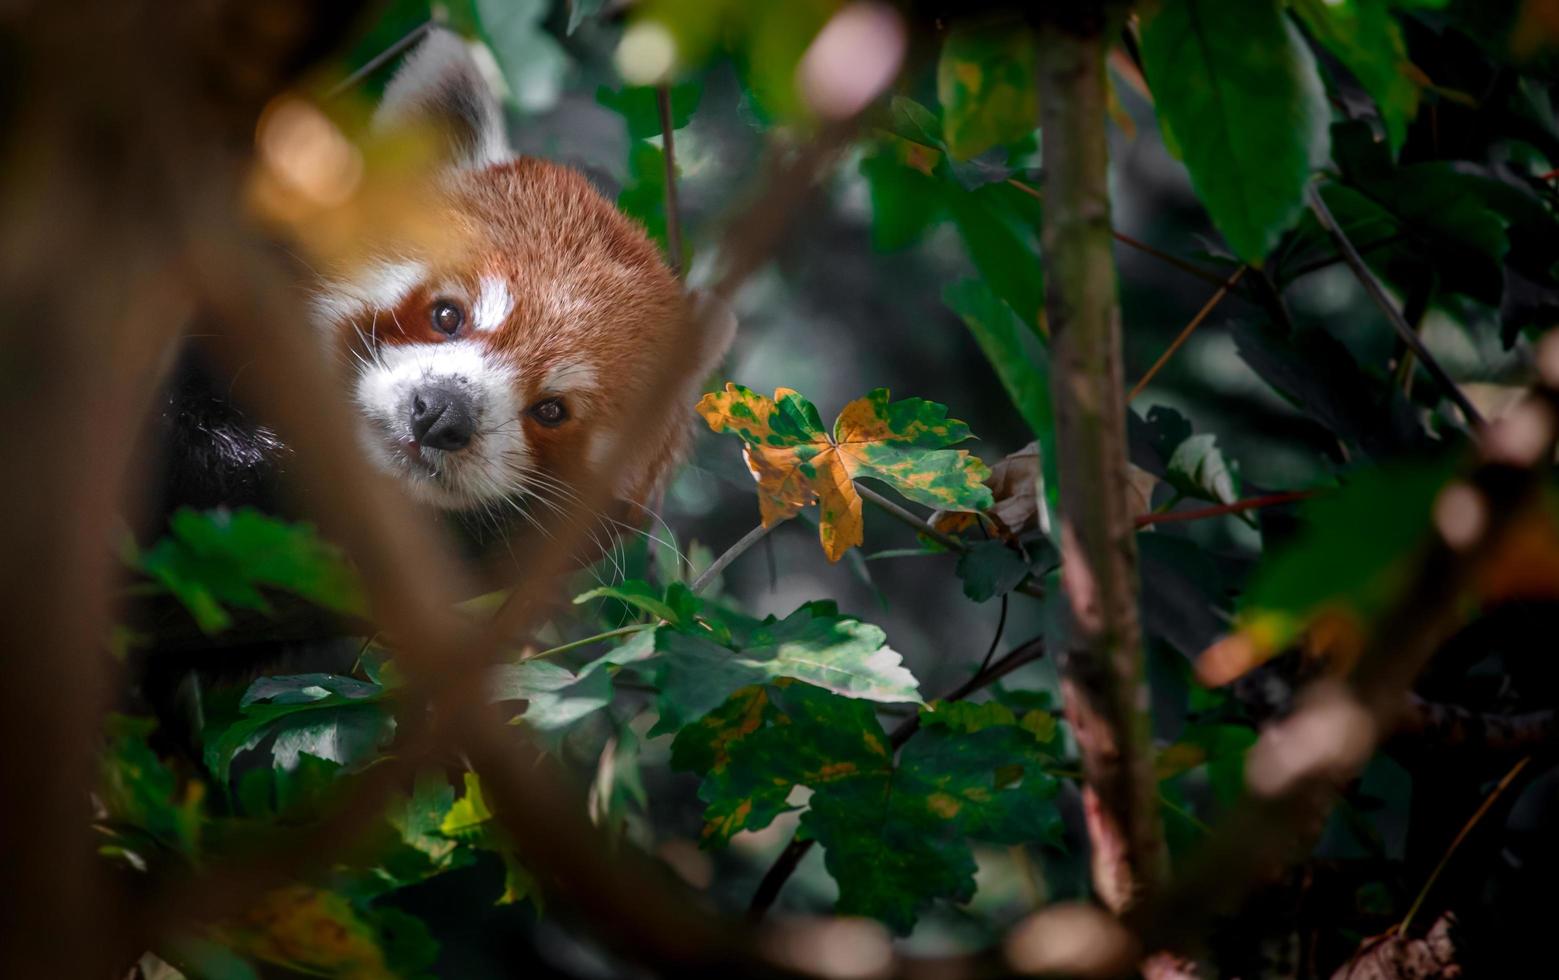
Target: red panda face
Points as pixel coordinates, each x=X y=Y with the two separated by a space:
x=488 y=374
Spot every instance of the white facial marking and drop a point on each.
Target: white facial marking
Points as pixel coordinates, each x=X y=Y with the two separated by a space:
x=378 y=285
x=492 y=467
x=493 y=304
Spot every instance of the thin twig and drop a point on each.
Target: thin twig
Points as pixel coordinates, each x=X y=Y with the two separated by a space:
x=1488 y=803
x=668 y=147
x=1236 y=507
x=379 y=60
x=908 y=518
x=1378 y=295
x=1326 y=263
x=1185 y=334
x=785 y=864
x=1163 y=256
x=1187 y=267
x=1028 y=587
x=731 y=554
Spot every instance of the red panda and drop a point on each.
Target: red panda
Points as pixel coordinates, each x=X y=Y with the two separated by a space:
x=486 y=368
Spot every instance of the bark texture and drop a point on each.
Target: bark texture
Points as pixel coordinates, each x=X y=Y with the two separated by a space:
x=1106 y=694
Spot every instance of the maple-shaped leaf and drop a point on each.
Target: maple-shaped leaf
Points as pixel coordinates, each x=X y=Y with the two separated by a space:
x=795 y=460
x=895 y=836
x=695 y=673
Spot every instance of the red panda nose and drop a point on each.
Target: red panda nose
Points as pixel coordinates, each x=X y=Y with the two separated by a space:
x=442 y=416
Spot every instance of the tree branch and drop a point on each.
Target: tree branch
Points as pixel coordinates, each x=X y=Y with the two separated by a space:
x=1103 y=680
x=1378 y=296
x=1451 y=726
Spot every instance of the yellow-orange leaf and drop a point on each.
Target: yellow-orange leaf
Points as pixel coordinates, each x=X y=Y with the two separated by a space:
x=796 y=461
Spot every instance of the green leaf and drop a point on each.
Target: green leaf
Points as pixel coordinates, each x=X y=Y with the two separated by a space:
x=643 y=196
x=224 y=558
x=990 y=569
x=1364 y=36
x=139 y=790
x=334 y=718
x=534 y=64
x=640 y=107
x=968 y=716
x=895 y=837
x=1237 y=90
x=1456 y=222
x=1221 y=748
x=557 y=697
x=410 y=951
x=469 y=815
x=1197 y=468
x=1357 y=549
x=1000 y=232
x=695 y=674
x=644 y=597
x=1022 y=364
x=905 y=201
x=985 y=82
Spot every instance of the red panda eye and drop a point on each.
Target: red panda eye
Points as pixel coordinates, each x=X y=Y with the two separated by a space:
x=549 y=412
x=447 y=317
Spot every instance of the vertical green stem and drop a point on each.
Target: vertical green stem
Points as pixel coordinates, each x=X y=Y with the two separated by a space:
x=1106 y=694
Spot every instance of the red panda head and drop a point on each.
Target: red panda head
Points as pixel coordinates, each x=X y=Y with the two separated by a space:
x=486 y=369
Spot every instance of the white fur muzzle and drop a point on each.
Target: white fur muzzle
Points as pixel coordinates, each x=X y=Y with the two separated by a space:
x=491 y=468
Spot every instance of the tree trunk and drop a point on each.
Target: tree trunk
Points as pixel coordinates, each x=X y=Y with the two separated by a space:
x=1106 y=695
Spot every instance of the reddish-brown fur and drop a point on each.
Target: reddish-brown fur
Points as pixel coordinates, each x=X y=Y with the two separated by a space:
x=589 y=288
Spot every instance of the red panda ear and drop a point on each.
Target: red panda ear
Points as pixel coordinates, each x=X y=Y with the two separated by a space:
x=442 y=88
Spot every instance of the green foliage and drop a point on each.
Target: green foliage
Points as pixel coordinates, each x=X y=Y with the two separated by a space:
x=985 y=82
x=990 y=569
x=1236 y=90
x=224 y=558
x=1367 y=39
x=895 y=835
x=1360 y=545
x=557 y=697
x=534 y=64
x=338 y=719
x=640 y=107
x=1294 y=384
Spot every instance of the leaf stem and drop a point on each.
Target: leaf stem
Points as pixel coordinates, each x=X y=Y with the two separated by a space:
x=597 y=638
x=1378 y=295
x=1237 y=507
x=1185 y=334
